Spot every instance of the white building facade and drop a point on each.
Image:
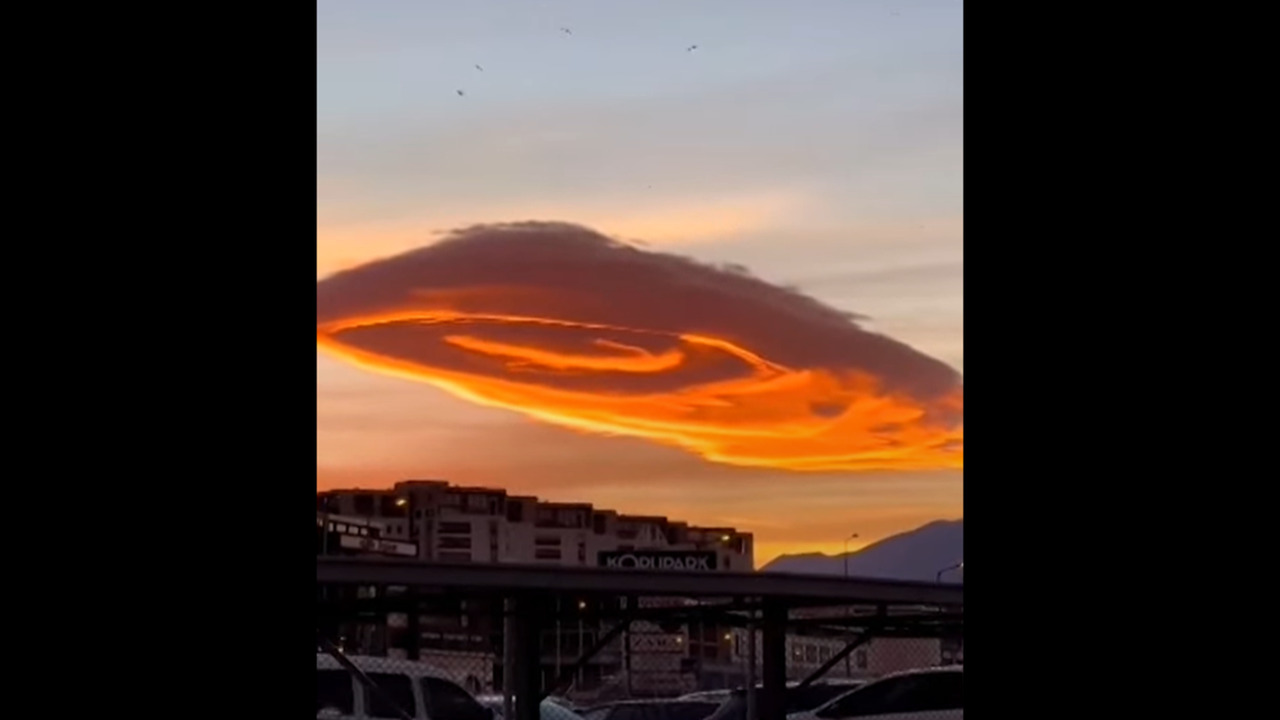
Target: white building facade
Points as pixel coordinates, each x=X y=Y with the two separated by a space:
x=467 y=524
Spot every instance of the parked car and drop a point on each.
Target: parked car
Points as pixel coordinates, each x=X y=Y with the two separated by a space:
x=661 y=709
x=924 y=694
x=798 y=699
x=550 y=709
x=423 y=691
x=715 y=696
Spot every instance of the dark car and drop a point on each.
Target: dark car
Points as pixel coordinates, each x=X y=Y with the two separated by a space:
x=798 y=699
x=674 y=709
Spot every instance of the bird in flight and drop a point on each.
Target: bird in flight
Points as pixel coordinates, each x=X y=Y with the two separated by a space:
x=691 y=48
x=566 y=31
x=479 y=68
x=461 y=94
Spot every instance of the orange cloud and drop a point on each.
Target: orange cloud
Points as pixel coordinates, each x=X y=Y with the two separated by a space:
x=569 y=327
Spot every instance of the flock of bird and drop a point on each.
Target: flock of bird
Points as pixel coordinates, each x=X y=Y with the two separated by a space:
x=566 y=31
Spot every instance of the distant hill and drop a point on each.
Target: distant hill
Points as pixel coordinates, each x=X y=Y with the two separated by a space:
x=914 y=555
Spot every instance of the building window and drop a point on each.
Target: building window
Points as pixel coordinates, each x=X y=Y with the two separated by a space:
x=392 y=506
x=547 y=541
x=454 y=543
x=598 y=523
x=515 y=512
x=455 y=528
x=454 y=556
x=543 y=553
x=364 y=505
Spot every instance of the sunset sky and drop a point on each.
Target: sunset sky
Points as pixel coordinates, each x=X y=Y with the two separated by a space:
x=816 y=142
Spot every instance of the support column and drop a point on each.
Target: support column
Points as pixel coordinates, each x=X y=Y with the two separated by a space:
x=413 y=643
x=508 y=656
x=773 y=670
x=528 y=659
x=753 y=697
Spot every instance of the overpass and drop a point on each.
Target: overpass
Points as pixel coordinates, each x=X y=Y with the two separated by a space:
x=767 y=602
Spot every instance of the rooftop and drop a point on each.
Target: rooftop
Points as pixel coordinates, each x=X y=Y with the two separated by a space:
x=660 y=520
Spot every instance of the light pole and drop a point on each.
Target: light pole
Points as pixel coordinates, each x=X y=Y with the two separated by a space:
x=848 y=670
x=947 y=569
x=845 y=557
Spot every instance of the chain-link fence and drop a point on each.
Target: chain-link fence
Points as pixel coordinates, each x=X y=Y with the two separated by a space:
x=384 y=652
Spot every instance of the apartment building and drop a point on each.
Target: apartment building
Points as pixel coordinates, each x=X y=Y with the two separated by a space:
x=343 y=535
x=469 y=524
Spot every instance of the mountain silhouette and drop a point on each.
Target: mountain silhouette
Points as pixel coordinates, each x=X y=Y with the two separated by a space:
x=913 y=555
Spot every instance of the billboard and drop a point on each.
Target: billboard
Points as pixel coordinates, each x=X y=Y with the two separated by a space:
x=663 y=560
x=377 y=545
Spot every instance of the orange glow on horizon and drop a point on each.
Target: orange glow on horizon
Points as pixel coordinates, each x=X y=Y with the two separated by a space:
x=771 y=548
x=702 y=393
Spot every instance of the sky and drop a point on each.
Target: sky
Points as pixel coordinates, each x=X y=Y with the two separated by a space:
x=818 y=143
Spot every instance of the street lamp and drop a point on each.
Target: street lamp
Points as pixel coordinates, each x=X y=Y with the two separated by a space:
x=845 y=557
x=848 y=670
x=949 y=568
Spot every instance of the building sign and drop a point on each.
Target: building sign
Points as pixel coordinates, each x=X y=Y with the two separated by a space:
x=378 y=545
x=670 y=561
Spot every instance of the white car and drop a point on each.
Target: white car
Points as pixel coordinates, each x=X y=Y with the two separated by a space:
x=716 y=696
x=550 y=709
x=935 y=693
x=421 y=690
